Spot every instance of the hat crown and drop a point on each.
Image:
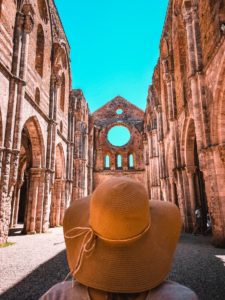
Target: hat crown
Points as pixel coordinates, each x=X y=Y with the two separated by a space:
x=119 y=209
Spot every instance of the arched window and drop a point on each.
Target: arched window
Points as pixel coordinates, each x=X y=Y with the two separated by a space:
x=62 y=94
x=39 y=60
x=37 y=96
x=154 y=123
x=107 y=162
x=0 y=7
x=130 y=161
x=61 y=126
x=43 y=11
x=119 y=161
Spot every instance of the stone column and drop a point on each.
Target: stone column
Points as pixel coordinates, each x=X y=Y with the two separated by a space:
x=39 y=217
x=46 y=204
x=190 y=170
x=169 y=78
x=63 y=202
x=15 y=203
x=69 y=160
x=51 y=149
x=35 y=175
x=27 y=181
x=173 y=191
x=58 y=196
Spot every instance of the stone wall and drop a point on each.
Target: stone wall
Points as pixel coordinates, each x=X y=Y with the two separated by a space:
x=35 y=146
x=52 y=150
x=103 y=120
x=185 y=113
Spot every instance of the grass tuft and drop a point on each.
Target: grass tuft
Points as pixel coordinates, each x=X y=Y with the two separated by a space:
x=7 y=244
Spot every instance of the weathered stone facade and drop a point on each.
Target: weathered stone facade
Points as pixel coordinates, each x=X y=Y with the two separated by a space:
x=184 y=120
x=37 y=117
x=103 y=120
x=52 y=150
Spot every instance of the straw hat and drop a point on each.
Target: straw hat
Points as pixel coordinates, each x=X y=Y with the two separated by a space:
x=119 y=241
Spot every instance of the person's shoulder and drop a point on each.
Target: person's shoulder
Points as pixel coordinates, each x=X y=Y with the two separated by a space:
x=170 y=290
x=64 y=290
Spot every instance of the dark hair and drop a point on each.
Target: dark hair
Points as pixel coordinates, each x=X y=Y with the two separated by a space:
x=122 y=296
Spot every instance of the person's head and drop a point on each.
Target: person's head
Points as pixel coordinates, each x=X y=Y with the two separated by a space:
x=118 y=241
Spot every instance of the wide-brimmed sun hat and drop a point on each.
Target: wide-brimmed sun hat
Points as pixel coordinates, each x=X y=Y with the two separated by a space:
x=119 y=241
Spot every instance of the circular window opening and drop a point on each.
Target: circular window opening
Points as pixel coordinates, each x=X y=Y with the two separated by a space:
x=118 y=136
x=119 y=111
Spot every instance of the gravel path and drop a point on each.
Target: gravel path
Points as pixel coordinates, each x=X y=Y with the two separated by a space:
x=35 y=263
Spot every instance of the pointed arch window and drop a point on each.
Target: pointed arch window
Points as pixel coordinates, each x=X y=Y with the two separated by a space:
x=37 y=96
x=119 y=161
x=40 y=46
x=63 y=91
x=130 y=161
x=43 y=11
x=107 y=162
x=0 y=7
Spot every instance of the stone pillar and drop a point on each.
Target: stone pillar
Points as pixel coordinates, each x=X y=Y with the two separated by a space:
x=58 y=195
x=51 y=148
x=34 y=175
x=27 y=181
x=46 y=204
x=15 y=203
x=169 y=78
x=63 y=202
x=173 y=191
x=190 y=170
x=91 y=160
x=39 y=214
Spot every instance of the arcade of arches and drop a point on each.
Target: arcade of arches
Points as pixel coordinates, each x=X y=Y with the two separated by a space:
x=54 y=151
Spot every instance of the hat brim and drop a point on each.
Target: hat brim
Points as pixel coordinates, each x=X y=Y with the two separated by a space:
x=130 y=267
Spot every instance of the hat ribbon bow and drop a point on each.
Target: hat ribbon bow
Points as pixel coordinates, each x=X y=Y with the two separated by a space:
x=88 y=244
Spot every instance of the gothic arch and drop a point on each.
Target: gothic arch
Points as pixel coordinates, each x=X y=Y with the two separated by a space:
x=1 y=1
x=37 y=96
x=43 y=10
x=60 y=162
x=189 y=143
x=60 y=56
x=28 y=192
x=37 y=143
x=197 y=193
x=131 y=161
x=107 y=161
x=217 y=121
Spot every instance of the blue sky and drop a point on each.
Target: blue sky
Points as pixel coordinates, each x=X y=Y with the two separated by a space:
x=114 y=46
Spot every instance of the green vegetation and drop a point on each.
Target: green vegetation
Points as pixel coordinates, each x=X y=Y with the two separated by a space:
x=7 y=244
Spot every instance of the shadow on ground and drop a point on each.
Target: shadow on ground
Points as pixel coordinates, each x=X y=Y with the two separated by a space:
x=200 y=266
x=197 y=265
x=40 y=280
